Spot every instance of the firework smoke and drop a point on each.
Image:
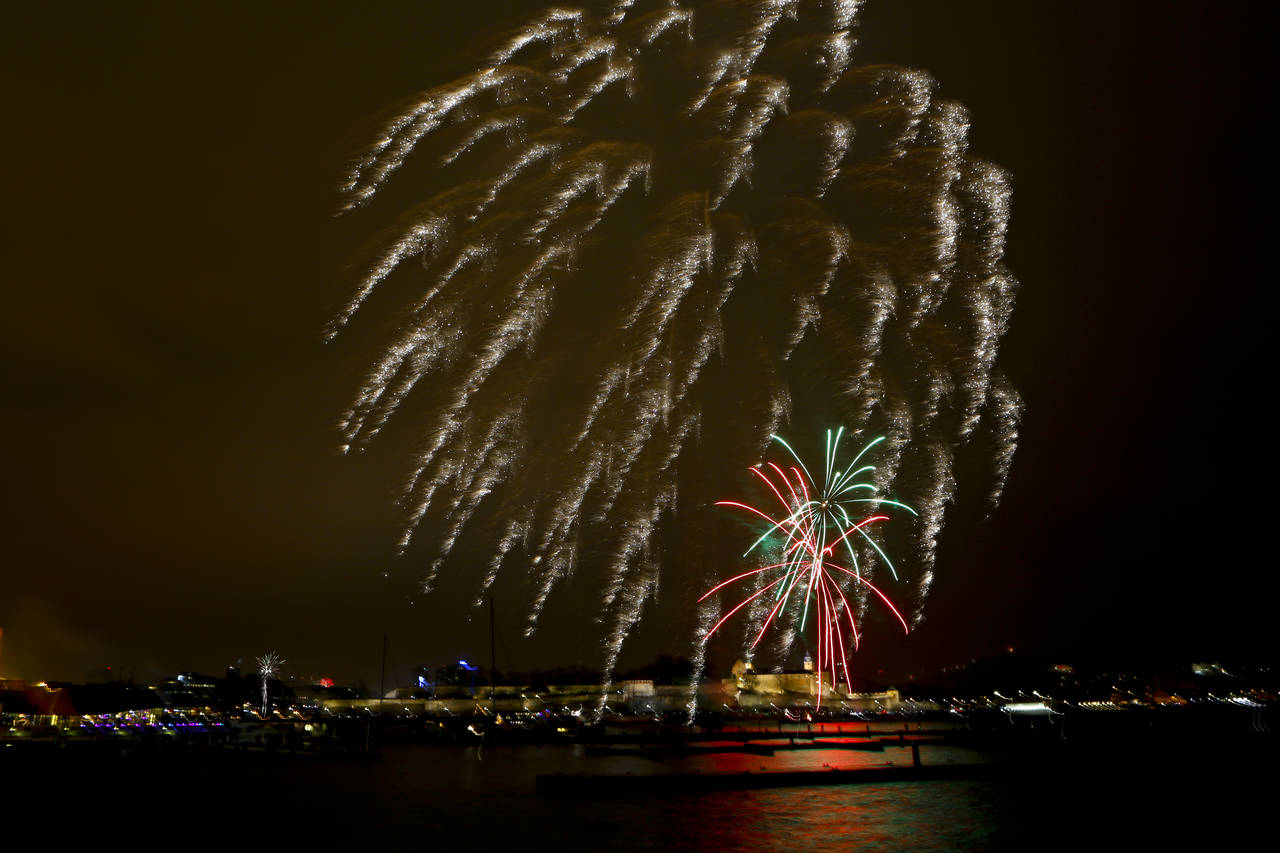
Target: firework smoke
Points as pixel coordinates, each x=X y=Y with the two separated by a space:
x=644 y=236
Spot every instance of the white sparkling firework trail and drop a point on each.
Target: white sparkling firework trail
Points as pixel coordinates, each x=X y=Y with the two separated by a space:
x=1006 y=411
x=650 y=234
x=708 y=612
x=268 y=667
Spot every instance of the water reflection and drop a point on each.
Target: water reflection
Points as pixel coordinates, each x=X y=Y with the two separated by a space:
x=916 y=816
x=425 y=797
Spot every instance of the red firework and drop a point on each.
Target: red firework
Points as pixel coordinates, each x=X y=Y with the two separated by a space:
x=814 y=523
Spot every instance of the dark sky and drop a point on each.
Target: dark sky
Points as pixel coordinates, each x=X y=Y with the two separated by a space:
x=173 y=498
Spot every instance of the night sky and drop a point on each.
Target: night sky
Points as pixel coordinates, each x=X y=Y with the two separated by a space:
x=173 y=494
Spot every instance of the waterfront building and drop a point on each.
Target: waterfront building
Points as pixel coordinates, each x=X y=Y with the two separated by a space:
x=752 y=689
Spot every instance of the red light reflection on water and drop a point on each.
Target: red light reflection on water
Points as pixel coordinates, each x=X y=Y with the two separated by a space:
x=910 y=816
x=902 y=815
x=790 y=760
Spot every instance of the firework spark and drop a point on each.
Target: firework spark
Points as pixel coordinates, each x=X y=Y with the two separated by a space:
x=638 y=223
x=815 y=528
x=268 y=667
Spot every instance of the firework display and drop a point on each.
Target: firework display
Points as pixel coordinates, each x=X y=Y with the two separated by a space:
x=814 y=529
x=268 y=668
x=633 y=226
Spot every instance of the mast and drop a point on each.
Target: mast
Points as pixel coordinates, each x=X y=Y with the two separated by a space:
x=382 y=679
x=493 y=666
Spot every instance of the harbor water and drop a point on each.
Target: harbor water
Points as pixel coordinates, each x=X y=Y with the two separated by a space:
x=419 y=796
